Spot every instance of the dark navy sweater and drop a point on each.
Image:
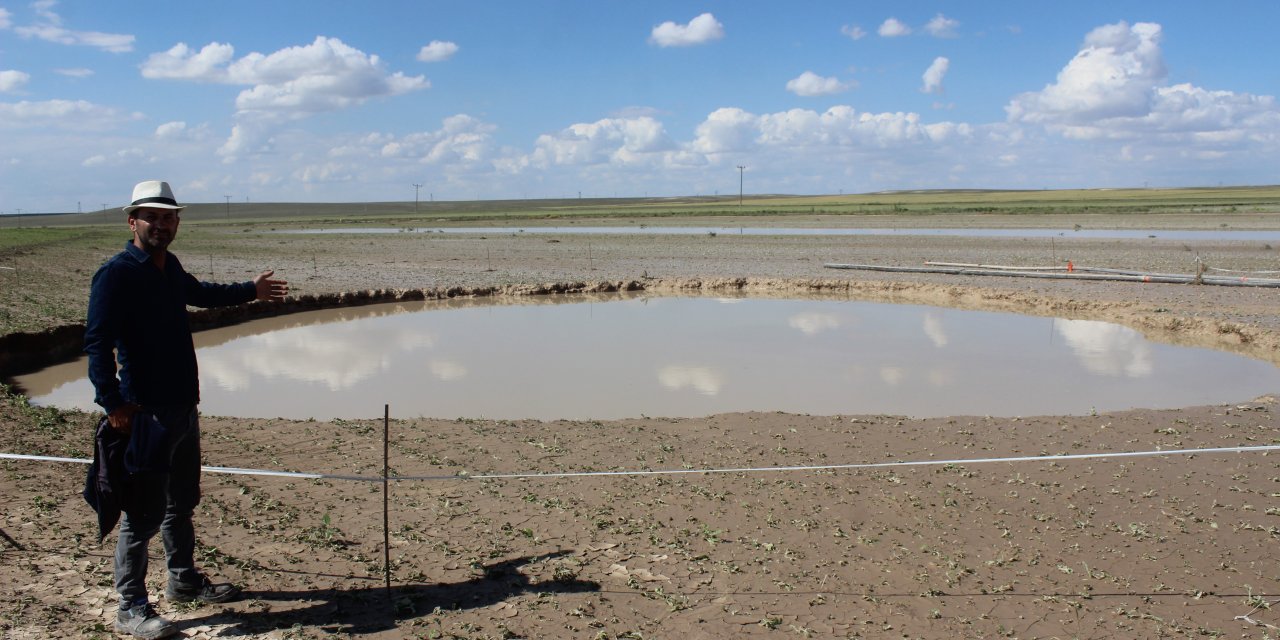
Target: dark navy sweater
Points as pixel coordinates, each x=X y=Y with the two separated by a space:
x=138 y=316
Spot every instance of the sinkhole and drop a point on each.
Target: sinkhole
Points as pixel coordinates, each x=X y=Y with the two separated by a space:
x=607 y=357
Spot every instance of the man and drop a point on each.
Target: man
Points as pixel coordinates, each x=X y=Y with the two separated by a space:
x=138 y=317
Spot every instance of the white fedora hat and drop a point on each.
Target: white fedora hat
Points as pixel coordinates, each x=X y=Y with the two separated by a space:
x=154 y=194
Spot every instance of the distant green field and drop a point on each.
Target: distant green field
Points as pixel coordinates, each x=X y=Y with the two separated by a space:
x=16 y=238
x=1103 y=201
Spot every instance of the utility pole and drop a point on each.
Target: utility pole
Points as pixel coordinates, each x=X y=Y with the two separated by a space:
x=416 y=186
x=228 y=207
x=741 y=168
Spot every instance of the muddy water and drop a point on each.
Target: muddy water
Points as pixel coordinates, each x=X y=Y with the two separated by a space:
x=611 y=357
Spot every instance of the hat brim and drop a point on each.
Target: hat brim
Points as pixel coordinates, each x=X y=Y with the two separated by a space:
x=153 y=205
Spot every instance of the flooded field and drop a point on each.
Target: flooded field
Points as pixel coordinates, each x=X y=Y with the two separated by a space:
x=612 y=357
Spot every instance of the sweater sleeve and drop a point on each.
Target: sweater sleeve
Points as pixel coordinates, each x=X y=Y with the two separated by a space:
x=210 y=294
x=102 y=329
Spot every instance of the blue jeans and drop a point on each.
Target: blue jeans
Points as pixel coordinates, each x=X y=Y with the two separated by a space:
x=163 y=502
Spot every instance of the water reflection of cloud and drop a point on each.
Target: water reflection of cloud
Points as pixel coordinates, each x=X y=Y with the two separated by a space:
x=704 y=380
x=446 y=370
x=893 y=376
x=1107 y=349
x=336 y=356
x=811 y=323
x=939 y=377
x=934 y=329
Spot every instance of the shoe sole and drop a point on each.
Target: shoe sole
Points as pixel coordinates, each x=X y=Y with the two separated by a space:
x=156 y=635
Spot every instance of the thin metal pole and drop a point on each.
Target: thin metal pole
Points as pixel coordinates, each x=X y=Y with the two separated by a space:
x=386 y=487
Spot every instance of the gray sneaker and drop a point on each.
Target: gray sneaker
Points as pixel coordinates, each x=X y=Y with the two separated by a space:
x=206 y=592
x=143 y=622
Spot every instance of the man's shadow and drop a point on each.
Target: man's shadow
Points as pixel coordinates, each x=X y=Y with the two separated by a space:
x=372 y=609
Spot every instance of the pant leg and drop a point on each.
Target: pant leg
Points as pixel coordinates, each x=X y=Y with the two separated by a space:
x=177 y=531
x=136 y=530
x=157 y=501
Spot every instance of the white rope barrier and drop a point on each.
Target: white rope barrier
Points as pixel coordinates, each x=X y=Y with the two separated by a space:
x=580 y=474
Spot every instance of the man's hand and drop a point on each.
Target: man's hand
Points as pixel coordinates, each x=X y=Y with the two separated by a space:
x=122 y=418
x=270 y=290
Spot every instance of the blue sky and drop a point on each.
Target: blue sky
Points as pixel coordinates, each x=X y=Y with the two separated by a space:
x=341 y=101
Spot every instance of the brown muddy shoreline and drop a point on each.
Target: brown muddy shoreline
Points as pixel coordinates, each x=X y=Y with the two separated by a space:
x=23 y=352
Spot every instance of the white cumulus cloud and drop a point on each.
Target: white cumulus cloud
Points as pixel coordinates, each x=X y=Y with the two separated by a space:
x=124 y=157
x=326 y=75
x=180 y=62
x=810 y=84
x=701 y=30
x=803 y=131
x=294 y=82
x=726 y=129
x=12 y=80
x=6 y=19
x=619 y=140
x=171 y=129
x=854 y=31
x=1114 y=89
x=50 y=29
x=934 y=74
x=181 y=131
x=63 y=114
x=437 y=51
x=112 y=42
x=461 y=140
x=893 y=28
x=942 y=27
x=1114 y=75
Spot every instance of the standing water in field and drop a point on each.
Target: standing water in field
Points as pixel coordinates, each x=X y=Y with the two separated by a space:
x=552 y=357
